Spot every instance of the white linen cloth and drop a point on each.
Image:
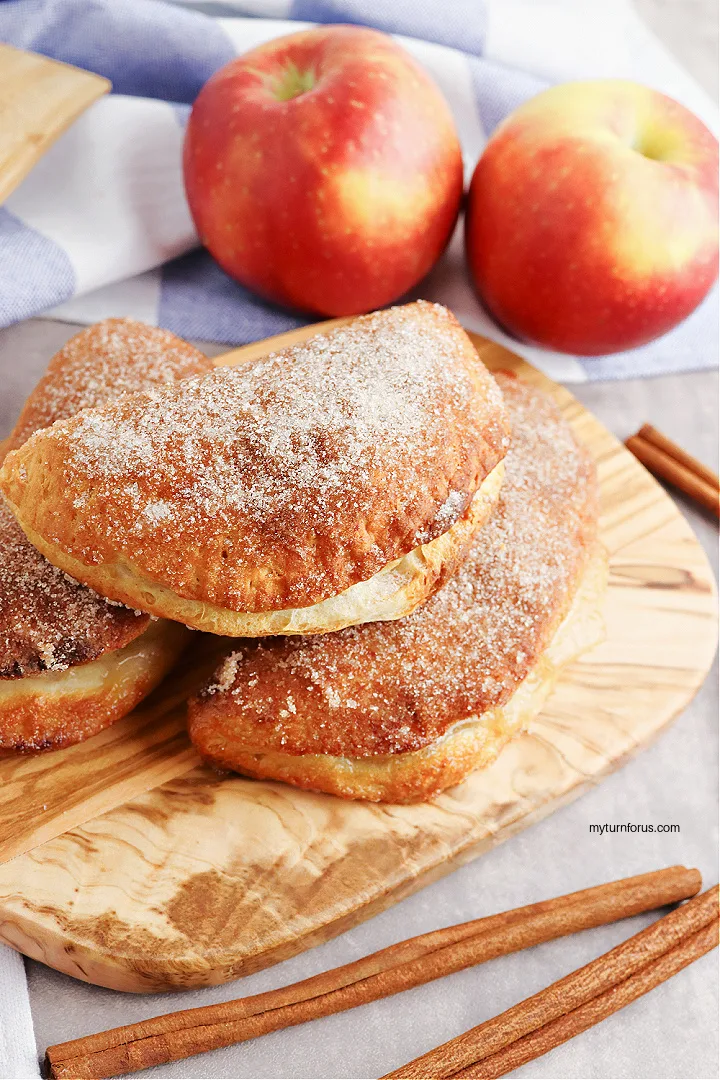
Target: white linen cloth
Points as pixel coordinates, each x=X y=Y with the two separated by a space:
x=18 y=1059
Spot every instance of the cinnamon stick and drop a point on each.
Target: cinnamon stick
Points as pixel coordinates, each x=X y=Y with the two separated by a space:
x=389 y=971
x=573 y=1023
x=531 y=1019
x=651 y=435
x=676 y=470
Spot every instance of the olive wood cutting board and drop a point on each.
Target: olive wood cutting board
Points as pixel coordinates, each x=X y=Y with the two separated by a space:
x=138 y=868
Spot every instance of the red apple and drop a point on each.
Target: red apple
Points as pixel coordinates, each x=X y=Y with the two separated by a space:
x=323 y=170
x=592 y=222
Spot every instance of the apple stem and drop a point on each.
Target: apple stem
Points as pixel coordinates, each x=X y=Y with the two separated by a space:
x=292 y=82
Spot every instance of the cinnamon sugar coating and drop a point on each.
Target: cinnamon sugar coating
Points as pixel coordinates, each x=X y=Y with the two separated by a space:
x=48 y=621
x=274 y=485
x=397 y=688
x=97 y=365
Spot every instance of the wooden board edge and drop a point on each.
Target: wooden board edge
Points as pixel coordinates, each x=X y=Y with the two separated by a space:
x=88 y=88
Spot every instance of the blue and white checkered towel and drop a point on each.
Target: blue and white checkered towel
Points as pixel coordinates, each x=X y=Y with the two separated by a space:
x=101 y=227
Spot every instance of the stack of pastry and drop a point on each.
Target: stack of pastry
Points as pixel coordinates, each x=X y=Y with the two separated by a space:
x=405 y=546
x=71 y=662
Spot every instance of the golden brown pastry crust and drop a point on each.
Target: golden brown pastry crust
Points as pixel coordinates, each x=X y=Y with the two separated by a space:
x=468 y=746
x=47 y=621
x=98 y=364
x=392 y=593
x=398 y=688
x=61 y=708
x=275 y=485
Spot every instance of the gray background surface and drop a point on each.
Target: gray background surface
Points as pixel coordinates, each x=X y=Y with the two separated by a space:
x=672 y=1032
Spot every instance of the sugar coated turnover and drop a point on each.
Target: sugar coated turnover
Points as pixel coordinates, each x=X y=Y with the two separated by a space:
x=276 y=485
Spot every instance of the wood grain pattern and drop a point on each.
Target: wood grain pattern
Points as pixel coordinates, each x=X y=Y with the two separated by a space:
x=207 y=878
x=44 y=795
x=39 y=99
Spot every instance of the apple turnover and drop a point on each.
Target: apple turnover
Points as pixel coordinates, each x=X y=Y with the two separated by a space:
x=71 y=663
x=399 y=711
x=337 y=482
